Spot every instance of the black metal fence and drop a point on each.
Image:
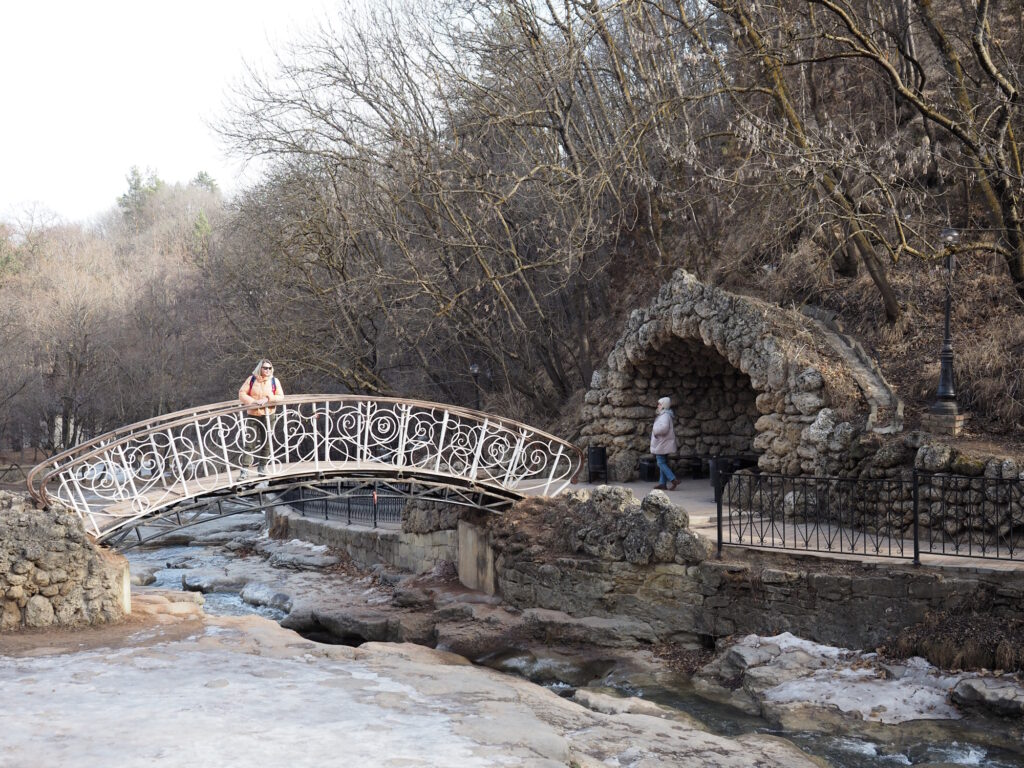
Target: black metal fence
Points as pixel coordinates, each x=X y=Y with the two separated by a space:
x=13 y=473
x=359 y=505
x=904 y=517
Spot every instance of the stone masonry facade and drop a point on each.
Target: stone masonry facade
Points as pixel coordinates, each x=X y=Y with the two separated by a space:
x=52 y=574
x=745 y=378
x=606 y=554
x=795 y=394
x=963 y=497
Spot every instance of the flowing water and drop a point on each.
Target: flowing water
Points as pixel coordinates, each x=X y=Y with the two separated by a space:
x=945 y=744
x=175 y=561
x=931 y=743
x=902 y=745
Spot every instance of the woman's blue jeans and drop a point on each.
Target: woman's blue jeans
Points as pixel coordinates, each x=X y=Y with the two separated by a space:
x=665 y=475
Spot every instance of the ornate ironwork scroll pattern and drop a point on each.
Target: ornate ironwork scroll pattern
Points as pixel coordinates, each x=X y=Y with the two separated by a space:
x=132 y=472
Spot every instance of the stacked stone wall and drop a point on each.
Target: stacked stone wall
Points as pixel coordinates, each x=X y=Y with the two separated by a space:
x=608 y=555
x=713 y=404
x=51 y=573
x=420 y=516
x=967 y=503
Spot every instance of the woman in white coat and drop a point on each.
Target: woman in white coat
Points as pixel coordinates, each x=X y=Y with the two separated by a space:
x=663 y=443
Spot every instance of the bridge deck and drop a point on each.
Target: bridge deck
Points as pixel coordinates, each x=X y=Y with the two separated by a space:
x=105 y=516
x=135 y=473
x=173 y=492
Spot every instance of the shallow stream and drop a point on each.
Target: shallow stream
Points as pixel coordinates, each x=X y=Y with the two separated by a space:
x=170 y=577
x=904 y=745
x=925 y=743
x=932 y=743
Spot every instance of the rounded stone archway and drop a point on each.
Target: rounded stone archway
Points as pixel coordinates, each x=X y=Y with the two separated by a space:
x=746 y=378
x=714 y=403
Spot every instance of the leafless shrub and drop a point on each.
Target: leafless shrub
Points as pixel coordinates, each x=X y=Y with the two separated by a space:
x=989 y=373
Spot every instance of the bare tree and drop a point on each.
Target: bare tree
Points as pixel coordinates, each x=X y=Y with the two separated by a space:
x=105 y=326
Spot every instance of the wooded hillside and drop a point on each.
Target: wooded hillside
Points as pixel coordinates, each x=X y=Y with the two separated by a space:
x=455 y=184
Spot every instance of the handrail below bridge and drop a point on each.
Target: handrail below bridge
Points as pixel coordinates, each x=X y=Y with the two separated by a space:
x=119 y=478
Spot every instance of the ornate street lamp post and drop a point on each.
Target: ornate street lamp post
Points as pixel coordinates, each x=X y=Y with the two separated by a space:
x=474 y=371
x=944 y=411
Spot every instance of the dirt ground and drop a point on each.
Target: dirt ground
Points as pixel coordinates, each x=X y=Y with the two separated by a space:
x=143 y=628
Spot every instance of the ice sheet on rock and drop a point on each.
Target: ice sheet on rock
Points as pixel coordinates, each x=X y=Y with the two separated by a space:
x=921 y=694
x=223 y=708
x=789 y=642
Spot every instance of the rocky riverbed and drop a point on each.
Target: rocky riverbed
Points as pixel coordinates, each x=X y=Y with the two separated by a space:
x=186 y=689
x=884 y=713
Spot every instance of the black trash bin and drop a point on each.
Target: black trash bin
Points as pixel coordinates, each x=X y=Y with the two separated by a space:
x=716 y=466
x=597 y=463
x=648 y=470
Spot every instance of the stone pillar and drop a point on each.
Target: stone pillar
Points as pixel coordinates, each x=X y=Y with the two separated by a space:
x=943 y=423
x=476 y=559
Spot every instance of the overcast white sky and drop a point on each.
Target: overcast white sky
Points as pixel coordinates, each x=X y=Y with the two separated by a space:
x=91 y=88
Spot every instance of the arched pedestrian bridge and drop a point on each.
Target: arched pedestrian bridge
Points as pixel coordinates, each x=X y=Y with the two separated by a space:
x=156 y=474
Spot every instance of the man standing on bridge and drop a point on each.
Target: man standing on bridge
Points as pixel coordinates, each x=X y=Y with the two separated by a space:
x=260 y=390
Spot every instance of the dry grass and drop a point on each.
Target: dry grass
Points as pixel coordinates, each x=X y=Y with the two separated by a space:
x=963 y=642
x=987 y=329
x=991 y=375
x=801 y=276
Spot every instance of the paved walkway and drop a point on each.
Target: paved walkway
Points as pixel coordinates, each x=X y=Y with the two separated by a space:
x=697 y=497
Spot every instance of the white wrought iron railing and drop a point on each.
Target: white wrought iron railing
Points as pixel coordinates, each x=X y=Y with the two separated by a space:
x=132 y=472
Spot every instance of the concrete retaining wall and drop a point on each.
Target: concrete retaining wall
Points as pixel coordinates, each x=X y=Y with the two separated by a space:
x=415 y=552
x=603 y=553
x=476 y=559
x=838 y=603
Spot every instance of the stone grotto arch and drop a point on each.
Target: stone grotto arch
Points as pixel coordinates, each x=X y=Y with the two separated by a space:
x=745 y=377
